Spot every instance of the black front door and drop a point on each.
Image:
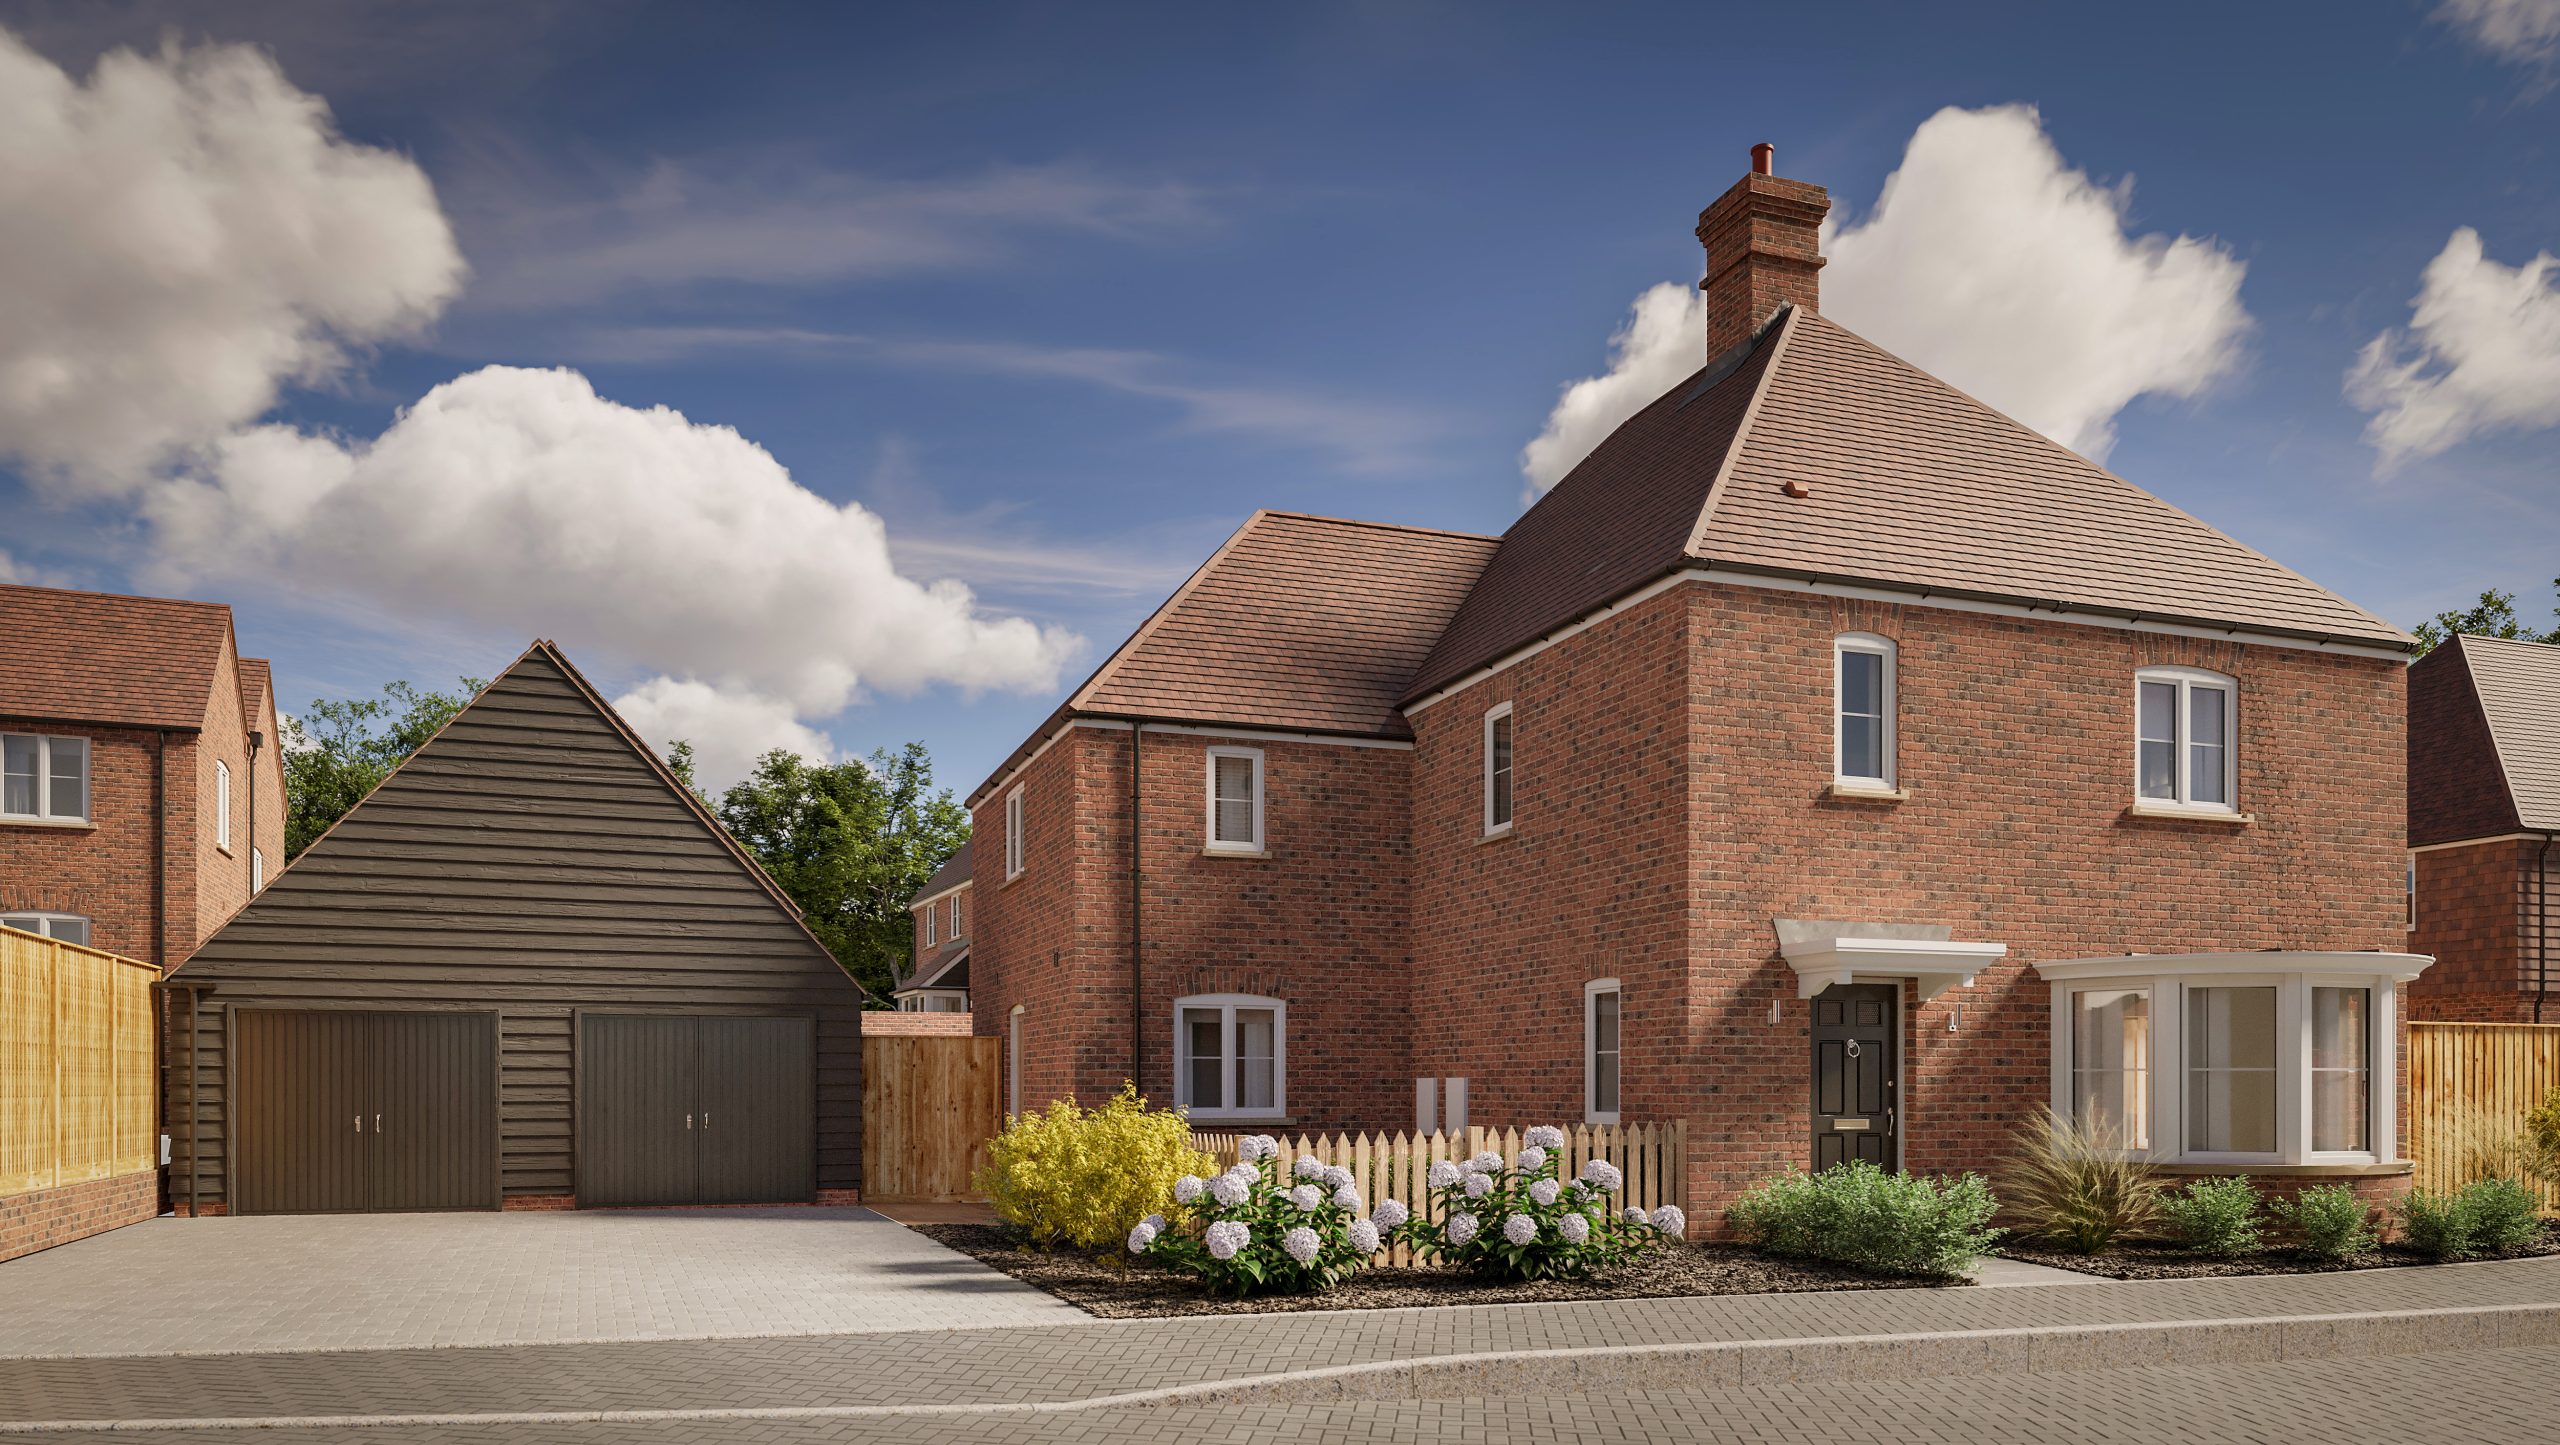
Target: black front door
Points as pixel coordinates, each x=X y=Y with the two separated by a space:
x=1854 y=1108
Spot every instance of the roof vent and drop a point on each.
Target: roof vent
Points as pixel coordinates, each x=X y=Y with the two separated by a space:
x=1796 y=488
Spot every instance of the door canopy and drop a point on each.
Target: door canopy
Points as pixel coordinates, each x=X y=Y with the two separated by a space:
x=1823 y=954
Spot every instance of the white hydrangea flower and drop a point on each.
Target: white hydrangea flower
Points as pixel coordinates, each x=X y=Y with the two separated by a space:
x=1346 y=1198
x=1253 y=1147
x=1302 y=1244
x=1336 y=1177
x=1188 y=1187
x=1546 y=1192
x=1308 y=1166
x=1544 y=1136
x=1487 y=1162
x=1533 y=1158
x=1603 y=1174
x=1520 y=1229
x=1670 y=1220
x=1443 y=1174
x=1229 y=1189
x=1576 y=1228
x=1460 y=1228
x=1390 y=1214
x=1154 y=1222
x=1306 y=1196
x=1226 y=1237
x=1636 y=1216
x=1479 y=1185
x=1363 y=1234
x=1141 y=1237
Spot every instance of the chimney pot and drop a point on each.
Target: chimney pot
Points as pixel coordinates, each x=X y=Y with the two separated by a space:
x=1764 y=159
x=1763 y=240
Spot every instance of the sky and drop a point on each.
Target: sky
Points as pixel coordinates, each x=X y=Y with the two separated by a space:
x=828 y=377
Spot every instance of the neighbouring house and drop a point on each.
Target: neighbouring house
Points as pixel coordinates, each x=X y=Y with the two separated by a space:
x=528 y=971
x=2484 y=809
x=141 y=781
x=1828 y=761
x=939 y=983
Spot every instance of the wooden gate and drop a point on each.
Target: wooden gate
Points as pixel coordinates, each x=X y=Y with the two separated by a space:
x=2470 y=1086
x=929 y=1106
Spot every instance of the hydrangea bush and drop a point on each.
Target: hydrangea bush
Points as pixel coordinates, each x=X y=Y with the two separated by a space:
x=1519 y=1220
x=1249 y=1231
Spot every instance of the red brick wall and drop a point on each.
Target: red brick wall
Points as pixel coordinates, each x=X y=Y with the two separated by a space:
x=879 y=1022
x=47 y=1217
x=103 y=871
x=2457 y=786
x=1033 y=946
x=2476 y=915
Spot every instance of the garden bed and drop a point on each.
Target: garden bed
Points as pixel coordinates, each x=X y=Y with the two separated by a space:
x=1113 y=1288
x=2151 y=1260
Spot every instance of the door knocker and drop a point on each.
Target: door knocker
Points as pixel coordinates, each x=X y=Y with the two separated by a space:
x=1853 y=1048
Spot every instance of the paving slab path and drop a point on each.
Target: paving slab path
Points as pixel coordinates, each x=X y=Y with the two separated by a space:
x=1055 y=1372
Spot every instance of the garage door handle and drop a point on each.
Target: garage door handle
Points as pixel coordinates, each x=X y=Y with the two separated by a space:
x=688 y=1121
x=359 y=1123
x=706 y=1119
x=377 y=1123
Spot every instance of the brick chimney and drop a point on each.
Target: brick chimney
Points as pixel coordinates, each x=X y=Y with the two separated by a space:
x=1763 y=241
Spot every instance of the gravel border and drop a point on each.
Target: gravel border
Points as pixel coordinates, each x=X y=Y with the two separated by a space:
x=1112 y=1288
x=2153 y=1259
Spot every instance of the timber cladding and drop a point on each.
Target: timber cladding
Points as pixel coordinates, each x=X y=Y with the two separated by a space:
x=530 y=865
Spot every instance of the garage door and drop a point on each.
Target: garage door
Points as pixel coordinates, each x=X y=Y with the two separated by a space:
x=340 y=1112
x=696 y=1110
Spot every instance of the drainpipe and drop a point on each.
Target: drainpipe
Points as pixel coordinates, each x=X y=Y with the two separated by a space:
x=2541 y=924
x=257 y=740
x=1137 y=906
x=160 y=851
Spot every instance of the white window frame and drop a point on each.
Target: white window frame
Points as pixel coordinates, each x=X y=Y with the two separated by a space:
x=1227 y=1004
x=2168 y=1062
x=44 y=922
x=222 y=805
x=257 y=869
x=955 y=916
x=1499 y=712
x=46 y=744
x=2411 y=924
x=1592 y=1113
x=1887 y=704
x=1013 y=1063
x=928 y=925
x=1013 y=860
x=1217 y=844
x=2187 y=679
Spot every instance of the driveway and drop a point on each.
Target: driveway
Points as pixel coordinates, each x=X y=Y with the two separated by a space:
x=394 y=1281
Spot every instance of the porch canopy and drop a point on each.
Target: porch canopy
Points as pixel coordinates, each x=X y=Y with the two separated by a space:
x=1823 y=954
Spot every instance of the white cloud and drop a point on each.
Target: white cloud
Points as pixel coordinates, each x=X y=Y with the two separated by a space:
x=729 y=730
x=1994 y=265
x=521 y=499
x=2523 y=31
x=181 y=235
x=2482 y=354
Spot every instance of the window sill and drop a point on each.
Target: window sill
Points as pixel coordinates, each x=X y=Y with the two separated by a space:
x=1219 y=1123
x=1216 y=852
x=2173 y=813
x=2379 y=1169
x=74 y=825
x=1866 y=793
x=1012 y=879
x=1498 y=835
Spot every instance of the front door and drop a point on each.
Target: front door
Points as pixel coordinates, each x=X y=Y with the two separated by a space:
x=1855 y=1112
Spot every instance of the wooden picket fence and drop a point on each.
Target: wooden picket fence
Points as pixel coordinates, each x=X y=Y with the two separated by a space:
x=2471 y=1085
x=1654 y=1157
x=78 y=1096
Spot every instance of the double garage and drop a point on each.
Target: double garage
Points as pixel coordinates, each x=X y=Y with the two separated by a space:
x=527 y=971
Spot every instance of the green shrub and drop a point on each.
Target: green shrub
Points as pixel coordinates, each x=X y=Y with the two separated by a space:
x=2542 y=1140
x=1086 y=1177
x=2215 y=1216
x=1858 y=1215
x=2504 y=1215
x=2435 y=1225
x=2328 y=1220
x=2075 y=1188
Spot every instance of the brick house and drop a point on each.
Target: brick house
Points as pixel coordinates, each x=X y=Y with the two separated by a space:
x=939 y=983
x=141 y=781
x=1828 y=760
x=2484 y=809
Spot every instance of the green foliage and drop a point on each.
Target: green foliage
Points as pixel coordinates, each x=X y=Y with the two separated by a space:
x=2077 y=1188
x=2542 y=1140
x=338 y=749
x=1858 y=1215
x=1574 y=1230
x=1086 y=1176
x=2215 y=1216
x=2485 y=1216
x=2494 y=615
x=1257 y=1258
x=2328 y=1220
x=850 y=842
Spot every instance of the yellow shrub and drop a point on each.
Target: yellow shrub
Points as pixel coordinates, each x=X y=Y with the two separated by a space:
x=1088 y=1176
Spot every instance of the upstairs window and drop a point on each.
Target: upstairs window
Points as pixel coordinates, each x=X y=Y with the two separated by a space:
x=69 y=927
x=955 y=916
x=1013 y=834
x=928 y=925
x=44 y=777
x=1497 y=770
x=1862 y=712
x=1235 y=800
x=2184 y=721
x=1230 y=1056
x=222 y=805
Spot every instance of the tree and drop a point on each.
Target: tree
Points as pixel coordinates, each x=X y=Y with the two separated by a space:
x=850 y=843
x=2494 y=615
x=337 y=750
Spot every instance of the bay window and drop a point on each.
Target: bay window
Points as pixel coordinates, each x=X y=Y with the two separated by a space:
x=1230 y=1056
x=2231 y=1058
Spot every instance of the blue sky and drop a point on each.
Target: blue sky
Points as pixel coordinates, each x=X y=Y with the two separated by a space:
x=1060 y=294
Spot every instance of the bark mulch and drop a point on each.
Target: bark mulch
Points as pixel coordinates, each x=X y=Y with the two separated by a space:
x=1113 y=1288
x=2148 y=1259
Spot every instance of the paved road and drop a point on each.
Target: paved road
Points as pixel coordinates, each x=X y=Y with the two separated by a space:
x=2503 y=1396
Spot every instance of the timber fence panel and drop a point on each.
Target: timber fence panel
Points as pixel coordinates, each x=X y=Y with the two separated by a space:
x=2470 y=1086
x=931 y=1104
x=79 y=1088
